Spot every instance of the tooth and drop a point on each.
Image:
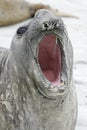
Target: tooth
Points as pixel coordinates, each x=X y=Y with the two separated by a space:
x=51 y=86
x=62 y=84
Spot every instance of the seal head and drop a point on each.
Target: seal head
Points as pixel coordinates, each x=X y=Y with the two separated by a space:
x=46 y=42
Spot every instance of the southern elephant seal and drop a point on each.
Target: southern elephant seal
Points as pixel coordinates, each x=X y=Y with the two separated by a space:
x=36 y=86
x=14 y=11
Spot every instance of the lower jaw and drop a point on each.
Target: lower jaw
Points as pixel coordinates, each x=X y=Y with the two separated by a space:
x=56 y=82
x=51 y=77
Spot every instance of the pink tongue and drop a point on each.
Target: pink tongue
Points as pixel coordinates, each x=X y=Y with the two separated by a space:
x=50 y=75
x=50 y=59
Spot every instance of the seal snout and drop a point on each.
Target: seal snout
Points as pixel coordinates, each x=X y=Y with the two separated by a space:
x=47 y=20
x=50 y=24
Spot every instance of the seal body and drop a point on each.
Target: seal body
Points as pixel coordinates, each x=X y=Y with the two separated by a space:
x=20 y=10
x=36 y=89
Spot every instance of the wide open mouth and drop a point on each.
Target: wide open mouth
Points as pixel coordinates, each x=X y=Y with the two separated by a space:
x=49 y=58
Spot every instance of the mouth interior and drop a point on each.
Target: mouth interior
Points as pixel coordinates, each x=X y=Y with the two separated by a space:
x=49 y=58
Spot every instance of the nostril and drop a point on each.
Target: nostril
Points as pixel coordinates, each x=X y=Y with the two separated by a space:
x=51 y=24
x=45 y=26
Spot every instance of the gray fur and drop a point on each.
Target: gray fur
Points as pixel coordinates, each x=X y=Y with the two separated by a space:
x=27 y=99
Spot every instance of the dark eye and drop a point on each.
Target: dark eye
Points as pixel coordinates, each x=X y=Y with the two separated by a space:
x=21 y=30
